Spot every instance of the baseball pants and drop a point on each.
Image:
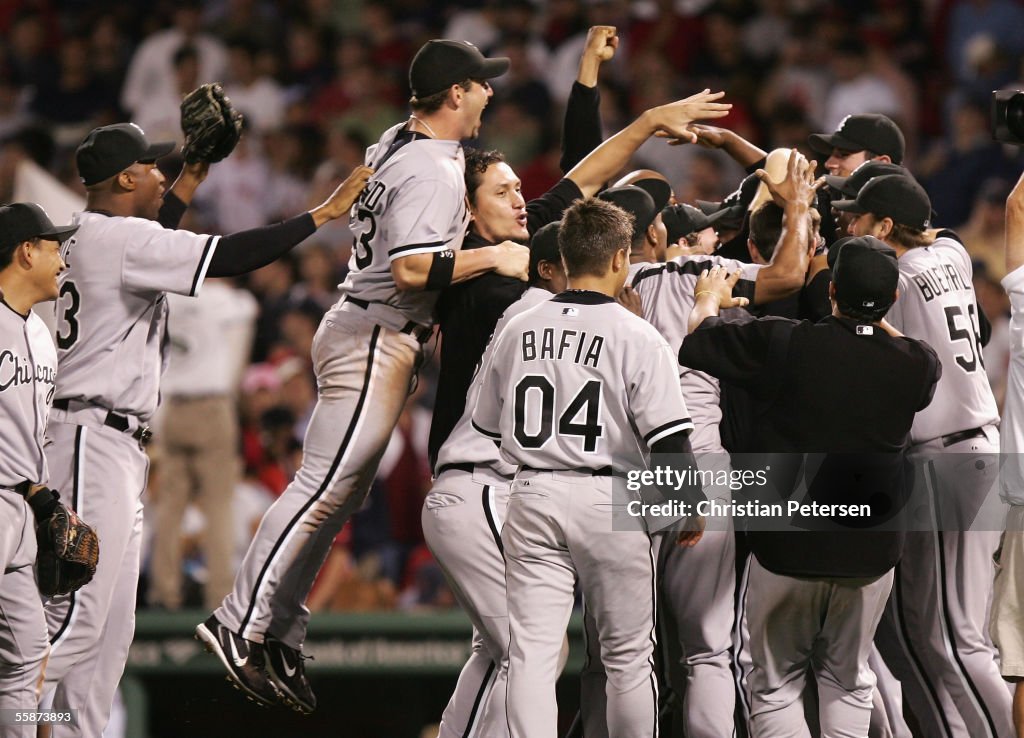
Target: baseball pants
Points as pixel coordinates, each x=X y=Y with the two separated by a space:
x=364 y=373
x=934 y=635
x=23 y=644
x=199 y=437
x=698 y=584
x=1008 y=601
x=559 y=528
x=101 y=473
x=822 y=625
x=462 y=521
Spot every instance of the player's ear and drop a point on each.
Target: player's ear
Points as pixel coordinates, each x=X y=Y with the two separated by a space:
x=832 y=291
x=126 y=180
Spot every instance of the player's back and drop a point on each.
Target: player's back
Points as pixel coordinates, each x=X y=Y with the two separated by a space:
x=413 y=204
x=937 y=304
x=583 y=374
x=111 y=312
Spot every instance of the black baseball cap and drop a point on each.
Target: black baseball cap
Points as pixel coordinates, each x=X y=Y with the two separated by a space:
x=23 y=221
x=869 y=132
x=895 y=196
x=659 y=190
x=865 y=273
x=544 y=247
x=848 y=187
x=731 y=210
x=633 y=200
x=108 y=150
x=441 y=63
x=682 y=220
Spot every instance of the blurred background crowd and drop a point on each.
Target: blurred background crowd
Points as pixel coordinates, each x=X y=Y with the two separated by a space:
x=320 y=79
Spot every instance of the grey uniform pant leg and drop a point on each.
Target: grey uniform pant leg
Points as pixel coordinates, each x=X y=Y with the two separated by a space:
x=23 y=643
x=559 y=526
x=462 y=520
x=822 y=627
x=935 y=633
x=364 y=373
x=102 y=474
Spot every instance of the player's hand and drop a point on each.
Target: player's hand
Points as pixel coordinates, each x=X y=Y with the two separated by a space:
x=797 y=185
x=710 y=137
x=673 y=120
x=630 y=300
x=694 y=531
x=716 y=283
x=601 y=43
x=512 y=260
x=343 y=197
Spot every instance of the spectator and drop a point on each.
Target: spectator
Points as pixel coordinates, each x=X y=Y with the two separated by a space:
x=258 y=96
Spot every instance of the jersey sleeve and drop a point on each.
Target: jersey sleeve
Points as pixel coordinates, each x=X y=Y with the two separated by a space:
x=419 y=218
x=655 y=399
x=895 y=315
x=162 y=260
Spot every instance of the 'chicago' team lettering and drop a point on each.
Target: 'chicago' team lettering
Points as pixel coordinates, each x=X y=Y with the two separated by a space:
x=15 y=370
x=574 y=345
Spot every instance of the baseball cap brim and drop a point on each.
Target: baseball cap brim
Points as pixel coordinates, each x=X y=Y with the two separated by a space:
x=838 y=184
x=491 y=68
x=659 y=190
x=58 y=234
x=823 y=143
x=848 y=206
x=156 y=151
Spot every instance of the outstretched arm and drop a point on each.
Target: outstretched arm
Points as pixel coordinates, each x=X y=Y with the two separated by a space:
x=1015 y=227
x=581 y=130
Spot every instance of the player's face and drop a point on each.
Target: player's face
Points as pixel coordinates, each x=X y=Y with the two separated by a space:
x=867 y=225
x=660 y=238
x=149 y=189
x=842 y=162
x=500 y=210
x=475 y=100
x=705 y=242
x=46 y=267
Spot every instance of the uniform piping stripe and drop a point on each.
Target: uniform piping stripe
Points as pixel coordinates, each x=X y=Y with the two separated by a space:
x=654 y=628
x=484 y=686
x=946 y=617
x=489 y=434
x=667 y=430
x=297 y=519
x=915 y=660
x=489 y=513
x=741 y=616
x=415 y=247
x=691 y=267
x=76 y=485
x=204 y=264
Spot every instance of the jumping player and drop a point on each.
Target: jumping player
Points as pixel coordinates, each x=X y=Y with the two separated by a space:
x=408 y=226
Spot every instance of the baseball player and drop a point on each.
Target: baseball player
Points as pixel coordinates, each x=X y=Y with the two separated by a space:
x=575 y=388
x=1008 y=605
x=698 y=582
x=933 y=635
x=815 y=598
x=111 y=324
x=462 y=520
x=859 y=138
x=29 y=264
x=408 y=227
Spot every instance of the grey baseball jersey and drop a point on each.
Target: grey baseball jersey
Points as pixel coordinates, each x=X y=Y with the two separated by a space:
x=934 y=634
x=428 y=176
x=579 y=371
x=112 y=312
x=28 y=370
x=666 y=295
x=111 y=318
x=937 y=304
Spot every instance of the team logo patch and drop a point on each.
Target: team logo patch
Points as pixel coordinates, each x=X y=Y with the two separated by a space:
x=572 y=312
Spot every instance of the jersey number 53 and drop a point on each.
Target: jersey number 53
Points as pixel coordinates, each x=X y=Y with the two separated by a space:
x=364 y=214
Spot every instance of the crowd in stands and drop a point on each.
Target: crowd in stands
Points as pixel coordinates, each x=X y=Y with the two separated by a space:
x=319 y=79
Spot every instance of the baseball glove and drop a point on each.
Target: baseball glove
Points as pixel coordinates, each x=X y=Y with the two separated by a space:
x=210 y=123
x=68 y=552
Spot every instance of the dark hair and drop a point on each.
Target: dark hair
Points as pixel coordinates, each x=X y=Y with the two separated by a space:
x=907 y=237
x=477 y=163
x=433 y=103
x=7 y=255
x=766 y=229
x=185 y=52
x=592 y=230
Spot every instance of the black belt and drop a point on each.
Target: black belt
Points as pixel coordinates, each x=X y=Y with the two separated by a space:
x=23 y=488
x=119 y=422
x=604 y=471
x=420 y=332
x=465 y=467
x=962 y=436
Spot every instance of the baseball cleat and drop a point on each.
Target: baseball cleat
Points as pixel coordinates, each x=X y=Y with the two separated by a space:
x=243 y=659
x=287 y=672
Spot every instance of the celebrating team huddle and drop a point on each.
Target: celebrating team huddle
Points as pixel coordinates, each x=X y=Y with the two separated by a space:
x=587 y=337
